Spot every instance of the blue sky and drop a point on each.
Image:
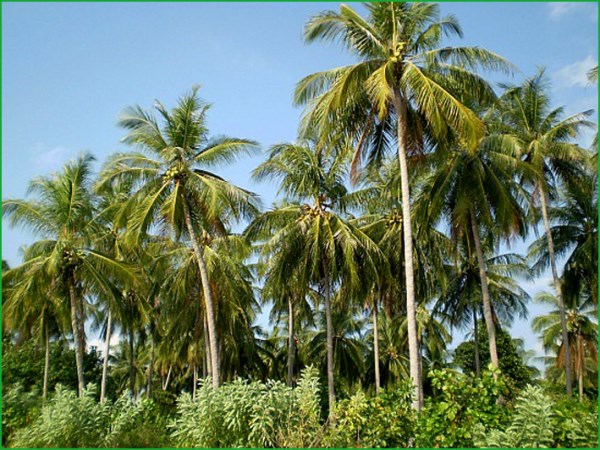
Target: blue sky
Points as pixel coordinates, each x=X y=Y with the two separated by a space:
x=68 y=69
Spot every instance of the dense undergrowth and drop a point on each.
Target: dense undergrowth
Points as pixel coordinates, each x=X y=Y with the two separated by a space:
x=463 y=412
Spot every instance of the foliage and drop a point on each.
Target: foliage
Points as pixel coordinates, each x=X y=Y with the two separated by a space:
x=386 y=420
x=19 y=409
x=574 y=423
x=71 y=421
x=460 y=403
x=517 y=374
x=249 y=414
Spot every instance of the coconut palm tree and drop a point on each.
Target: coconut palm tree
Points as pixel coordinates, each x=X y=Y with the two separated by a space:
x=459 y=305
x=32 y=308
x=174 y=188
x=311 y=241
x=544 y=140
x=474 y=190
x=403 y=88
x=583 y=336
x=575 y=236
x=63 y=214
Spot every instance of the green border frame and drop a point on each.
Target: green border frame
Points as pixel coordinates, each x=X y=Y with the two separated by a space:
x=234 y=1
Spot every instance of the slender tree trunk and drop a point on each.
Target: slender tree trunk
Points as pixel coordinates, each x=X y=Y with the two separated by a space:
x=559 y=294
x=376 y=348
x=106 y=356
x=329 y=325
x=46 y=362
x=79 y=352
x=291 y=343
x=195 y=378
x=131 y=364
x=476 y=339
x=401 y=113
x=150 y=369
x=168 y=379
x=580 y=372
x=207 y=349
x=485 y=293
x=208 y=299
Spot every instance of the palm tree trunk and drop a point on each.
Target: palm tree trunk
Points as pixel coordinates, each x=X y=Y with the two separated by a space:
x=476 y=339
x=166 y=385
x=401 y=113
x=208 y=299
x=581 y=366
x=131 y=364
x=195 y=378
x=106 y=356
x=559 y=295
x=46 y=362
x=485 y=293
x=291 y=343
x=376 y=348
x=150 y=369
x=329 y=325
x=207 y=349
x=75 y=319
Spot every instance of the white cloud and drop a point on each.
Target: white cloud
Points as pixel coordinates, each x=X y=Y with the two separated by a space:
x=559 y=9
x=52 y=159
x=575 y=74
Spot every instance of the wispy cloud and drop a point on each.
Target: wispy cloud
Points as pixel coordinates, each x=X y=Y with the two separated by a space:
x=560 y=9
x=50 y=159
x=575 y=74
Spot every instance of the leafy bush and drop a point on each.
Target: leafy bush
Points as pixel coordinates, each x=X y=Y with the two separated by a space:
x=386 y=420
x=68 y=421
x=575 y=424
x=19 y=408
x=461 y=402
x=244 y=414
x=531 y=424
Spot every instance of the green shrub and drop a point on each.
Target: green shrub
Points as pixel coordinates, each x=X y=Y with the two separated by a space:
x=249 y=414
x=19 y=409
x=575 y=424
x=460 y=403
x=71 y=421
x=531 y=425
x=386 y=420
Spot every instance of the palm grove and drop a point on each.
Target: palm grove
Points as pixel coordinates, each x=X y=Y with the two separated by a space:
x=409 y=174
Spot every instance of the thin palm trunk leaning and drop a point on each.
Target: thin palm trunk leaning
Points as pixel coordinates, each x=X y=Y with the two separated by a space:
x=75 y=318
x=580 y=366
x=150 y=369
x=376 y=348
x=208 y=300
x=46 y=362
x=559 y=295
x=166 y=383
x=106 y=356
x=329 y=326
x=291 y=343
x=485 y=294
x=207 y=357
x=401 y=113
x=476 y=340
x=131 y=364
x=195 y=380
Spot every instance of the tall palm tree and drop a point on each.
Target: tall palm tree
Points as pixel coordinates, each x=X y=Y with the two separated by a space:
x=475 y=191
x=63 y=214
x=544 y=140
x=575 y=235
x=403 y=88
x=311 y=241
x=175 y=189
x=583 y=336
x=459 y=305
